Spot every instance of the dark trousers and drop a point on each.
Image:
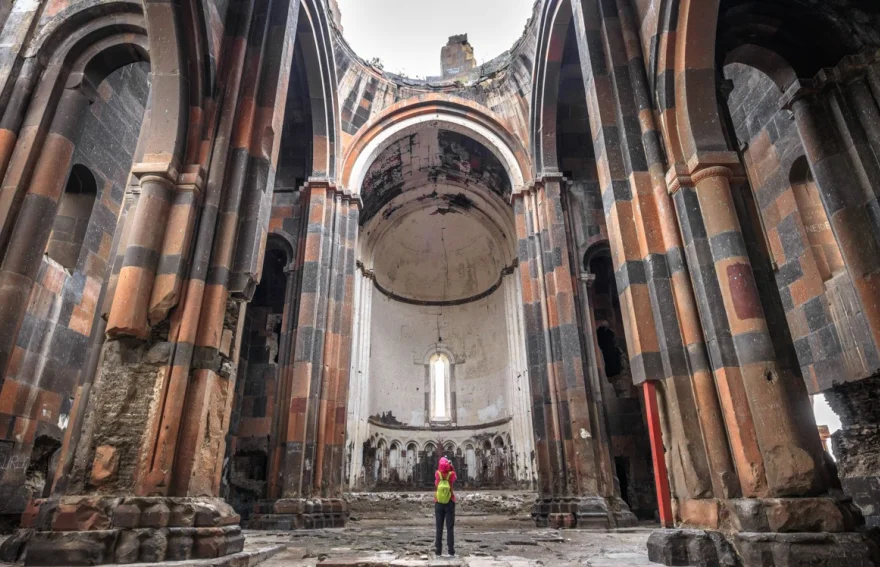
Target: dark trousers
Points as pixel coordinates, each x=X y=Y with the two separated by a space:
x=445 y=513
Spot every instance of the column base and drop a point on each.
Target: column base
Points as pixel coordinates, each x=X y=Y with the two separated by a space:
x=299 y=514
x=583 y=513
x=765 y=532
x=752 y=549
x=785 y=515
x=96 y=530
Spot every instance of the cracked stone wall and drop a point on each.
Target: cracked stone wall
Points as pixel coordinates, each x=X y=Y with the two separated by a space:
x=502 y=85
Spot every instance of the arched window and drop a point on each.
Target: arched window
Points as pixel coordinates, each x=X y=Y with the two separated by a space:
x=441 y=409
x=412 y=455
x=394 y=461
x=72 y=218
x=470 y=459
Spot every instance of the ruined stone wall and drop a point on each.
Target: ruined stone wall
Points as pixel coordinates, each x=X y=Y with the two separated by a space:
x=53 y=346
x=502 y=85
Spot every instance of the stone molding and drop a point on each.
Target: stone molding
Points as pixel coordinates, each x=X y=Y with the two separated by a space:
x=587 y=512
x=373 y=421
x=157 y=167
x=335 y=190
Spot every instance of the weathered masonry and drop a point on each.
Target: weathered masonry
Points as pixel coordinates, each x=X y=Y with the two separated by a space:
x=243 y=273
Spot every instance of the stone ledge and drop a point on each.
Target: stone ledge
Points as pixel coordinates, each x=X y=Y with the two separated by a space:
x=299 y=513
x=242 y=559
x=382 y=505
x=583 y=513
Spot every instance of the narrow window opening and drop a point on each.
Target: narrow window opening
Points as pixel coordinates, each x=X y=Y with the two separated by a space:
x=440 y=407
x=72 y=218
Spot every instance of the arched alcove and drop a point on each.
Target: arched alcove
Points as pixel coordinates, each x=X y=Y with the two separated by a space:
x=263 y=354
x=436 y=278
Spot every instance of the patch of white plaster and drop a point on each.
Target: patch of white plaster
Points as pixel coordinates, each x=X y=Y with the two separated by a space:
x=585 y=434
x=493 y=412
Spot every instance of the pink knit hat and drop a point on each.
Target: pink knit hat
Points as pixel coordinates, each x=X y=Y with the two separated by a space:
x=445 y=465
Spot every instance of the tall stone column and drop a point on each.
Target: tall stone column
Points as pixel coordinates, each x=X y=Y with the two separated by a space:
x=786 y=505
x=359 y=375
x=570 y=451
x=665 y=339
x=518 y=381
x=306 y=460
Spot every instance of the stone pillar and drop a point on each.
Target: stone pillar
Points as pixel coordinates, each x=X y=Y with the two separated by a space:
x=118 y=504
x=665 y=339
x=359 y=376
x=569 y=448
x=518 y=381
x=786 y=509
x=134 y=286
x=305 y=482
x=33 y=225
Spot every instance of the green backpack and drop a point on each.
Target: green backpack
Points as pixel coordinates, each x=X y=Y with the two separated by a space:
x=444 y=491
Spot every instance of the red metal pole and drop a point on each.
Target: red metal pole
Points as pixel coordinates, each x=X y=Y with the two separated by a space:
x=658 y=454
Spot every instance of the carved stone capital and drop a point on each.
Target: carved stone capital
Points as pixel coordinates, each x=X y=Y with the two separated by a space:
x=800 y=89
x=163 y=166
x=705 y=166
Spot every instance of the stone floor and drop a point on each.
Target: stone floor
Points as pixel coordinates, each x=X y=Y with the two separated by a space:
x=480 y=542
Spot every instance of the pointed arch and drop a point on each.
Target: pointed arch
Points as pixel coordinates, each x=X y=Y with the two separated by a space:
x=314 y=39
x=556 y=16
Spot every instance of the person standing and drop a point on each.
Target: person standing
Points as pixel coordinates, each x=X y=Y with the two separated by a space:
x=444 y=506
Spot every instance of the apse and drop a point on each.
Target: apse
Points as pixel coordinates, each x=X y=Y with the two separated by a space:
x=439 y=365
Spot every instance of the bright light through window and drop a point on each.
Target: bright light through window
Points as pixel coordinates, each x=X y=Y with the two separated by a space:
x=440 y=387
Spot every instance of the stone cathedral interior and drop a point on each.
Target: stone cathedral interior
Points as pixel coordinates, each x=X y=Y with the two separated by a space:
x=253 y=286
